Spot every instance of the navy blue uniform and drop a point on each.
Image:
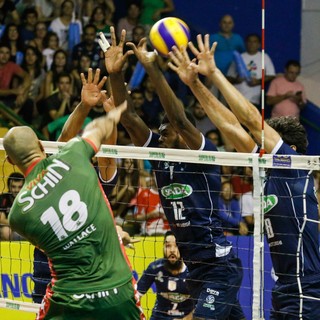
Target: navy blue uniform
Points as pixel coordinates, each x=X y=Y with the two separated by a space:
x=173 y=297
x=293 y=241
x=41 y=272
x=189 y=195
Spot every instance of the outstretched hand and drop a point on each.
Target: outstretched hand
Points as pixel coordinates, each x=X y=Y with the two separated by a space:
x=144 y=56
x=205 y=56
x=113 y=55
x=91 y=88
x=180 y=63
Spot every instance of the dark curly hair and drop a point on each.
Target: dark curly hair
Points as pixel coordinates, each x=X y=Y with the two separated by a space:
x=291 y=131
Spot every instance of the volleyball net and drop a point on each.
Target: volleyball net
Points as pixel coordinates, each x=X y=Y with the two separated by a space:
x=16 y=265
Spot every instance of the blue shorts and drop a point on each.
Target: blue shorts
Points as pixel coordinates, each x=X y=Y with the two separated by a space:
x=214 y=286
x=286 y=300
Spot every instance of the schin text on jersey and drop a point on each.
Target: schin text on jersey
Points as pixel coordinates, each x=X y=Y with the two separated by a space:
x=40 y=187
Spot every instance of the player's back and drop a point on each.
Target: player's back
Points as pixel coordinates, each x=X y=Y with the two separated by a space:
x=62 y=210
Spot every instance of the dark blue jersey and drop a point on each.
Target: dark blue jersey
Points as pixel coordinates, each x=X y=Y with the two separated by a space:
x=173 y=298
x=189 y=195
x=289 y=195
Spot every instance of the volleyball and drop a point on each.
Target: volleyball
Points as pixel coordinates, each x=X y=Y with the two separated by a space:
x=169 y=32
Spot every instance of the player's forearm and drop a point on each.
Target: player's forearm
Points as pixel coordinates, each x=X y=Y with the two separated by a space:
x=246 y=112
x=74 y=123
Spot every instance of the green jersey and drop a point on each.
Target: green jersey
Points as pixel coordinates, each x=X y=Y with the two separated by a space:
x=62 y=210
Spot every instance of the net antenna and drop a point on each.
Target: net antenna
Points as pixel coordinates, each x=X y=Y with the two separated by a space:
x=258 y=196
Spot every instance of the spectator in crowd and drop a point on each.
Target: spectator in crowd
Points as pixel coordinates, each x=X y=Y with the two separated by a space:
x=58 y=104
x=228 y=42
x=50 y=46
x=59 y=65
x=8 y=13
x=138 y=33
x=11 y=37
x=41 y=31
x=99 y=19
x=286 y=95
x=203 y=123
x=29 y=21
x=87 y=47
x=130 y=21
x=152 y=107
x=45 y=10
x=169 y=275
x=148 y=209
x=230 y=213
x=89 y=6
x=15 y=96
x=223 y=273
x=251 y=87
x=215 y=136
x=14 y=183
x=61 y=24
x=83 y=67
x=32 y=64
x=126 y=188
x=152 y=11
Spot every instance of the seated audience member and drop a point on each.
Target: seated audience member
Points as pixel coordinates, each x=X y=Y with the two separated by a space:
x=148 y=210
x=61 y=24
x=251 y=87
x=41 y=31
x=88 y=47
x=50 y=46
x=286 y=95
x=58 y=104
x=59 y=65
x=100 y=18
x=126 y=188
x=29 y=20
x=14 y=183
x=229 y=211
x=14 y=86
x=130 y=21
x=12 y=38
x=83 y=67
x=203 y=123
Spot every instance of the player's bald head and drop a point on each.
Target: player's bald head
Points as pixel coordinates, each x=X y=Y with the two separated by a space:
x=21 y=144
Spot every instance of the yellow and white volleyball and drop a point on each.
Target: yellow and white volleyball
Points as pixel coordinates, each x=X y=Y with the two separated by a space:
x=169 y=32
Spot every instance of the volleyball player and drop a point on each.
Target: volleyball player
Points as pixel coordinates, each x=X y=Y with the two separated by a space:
x=189 y=192
x=290 y=204
x=62 y=210
x=169 y=275
x=107 y=173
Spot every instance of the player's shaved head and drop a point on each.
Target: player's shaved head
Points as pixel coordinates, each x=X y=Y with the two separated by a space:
x=21 y=145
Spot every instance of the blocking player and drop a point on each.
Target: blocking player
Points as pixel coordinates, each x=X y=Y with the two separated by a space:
x=62 y=210
x=290 y=203
x=189 y=192
x=169 y=275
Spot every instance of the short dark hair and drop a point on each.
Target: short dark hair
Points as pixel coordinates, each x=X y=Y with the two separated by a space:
x=167 y=234
x=294 y=63
x=14 y=176
x=291 y=131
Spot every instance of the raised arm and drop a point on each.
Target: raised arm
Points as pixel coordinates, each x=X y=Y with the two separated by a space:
x=114 y=61
x=246 y=112
x=221 y=116
x=171 y=104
